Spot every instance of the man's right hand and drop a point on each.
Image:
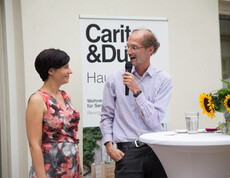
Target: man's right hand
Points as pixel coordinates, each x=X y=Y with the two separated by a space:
x=115 y=154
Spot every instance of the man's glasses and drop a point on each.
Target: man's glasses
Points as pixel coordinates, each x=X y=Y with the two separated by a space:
x=133 y=48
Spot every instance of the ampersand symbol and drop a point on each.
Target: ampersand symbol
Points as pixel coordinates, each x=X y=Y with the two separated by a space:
x=92 y=50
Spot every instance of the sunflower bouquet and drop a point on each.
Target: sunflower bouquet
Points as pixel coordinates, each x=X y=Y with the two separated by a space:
x=218 y=101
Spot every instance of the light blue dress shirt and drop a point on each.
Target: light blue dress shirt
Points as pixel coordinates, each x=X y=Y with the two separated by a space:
x=125 y=118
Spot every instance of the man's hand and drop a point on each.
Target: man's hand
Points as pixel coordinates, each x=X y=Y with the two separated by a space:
x=115 y=154
x=130 y=82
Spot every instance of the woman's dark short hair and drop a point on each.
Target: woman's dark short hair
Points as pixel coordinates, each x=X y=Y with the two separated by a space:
x=50 y=58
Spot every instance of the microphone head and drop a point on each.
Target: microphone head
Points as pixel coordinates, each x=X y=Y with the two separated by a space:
x=128 y=66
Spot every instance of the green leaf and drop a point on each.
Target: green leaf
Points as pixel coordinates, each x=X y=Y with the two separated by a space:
x=228 y=83
x=223 y=91
x=90 y=137
x=222 y=108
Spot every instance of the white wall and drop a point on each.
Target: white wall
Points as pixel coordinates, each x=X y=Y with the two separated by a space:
x=194 y=46
x=12 y=88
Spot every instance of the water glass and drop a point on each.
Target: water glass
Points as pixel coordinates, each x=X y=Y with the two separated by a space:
x=192 y=122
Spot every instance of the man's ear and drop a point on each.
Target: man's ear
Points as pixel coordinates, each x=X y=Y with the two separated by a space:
x=151 y=50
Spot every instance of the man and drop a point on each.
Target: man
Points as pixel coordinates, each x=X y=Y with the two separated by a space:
x=125 y=118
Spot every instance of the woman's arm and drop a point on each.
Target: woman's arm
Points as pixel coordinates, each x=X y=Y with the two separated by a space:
x=34 y=116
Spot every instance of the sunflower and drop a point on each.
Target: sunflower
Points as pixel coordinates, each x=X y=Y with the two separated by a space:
x=227 y=102
x=206 y=105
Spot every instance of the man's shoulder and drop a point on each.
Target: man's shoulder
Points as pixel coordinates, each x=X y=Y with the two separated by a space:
x=161 y=74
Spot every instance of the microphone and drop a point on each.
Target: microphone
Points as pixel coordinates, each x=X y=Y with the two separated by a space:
x=128 y=68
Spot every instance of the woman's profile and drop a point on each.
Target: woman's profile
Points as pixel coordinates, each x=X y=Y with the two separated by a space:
x=51 y=120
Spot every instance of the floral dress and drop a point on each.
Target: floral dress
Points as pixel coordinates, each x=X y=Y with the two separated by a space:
x=59 y=139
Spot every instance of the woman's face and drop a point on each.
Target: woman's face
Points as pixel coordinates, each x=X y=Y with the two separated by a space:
x=62 y=74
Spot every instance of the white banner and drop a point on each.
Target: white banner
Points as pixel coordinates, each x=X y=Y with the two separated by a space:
x=103 y=41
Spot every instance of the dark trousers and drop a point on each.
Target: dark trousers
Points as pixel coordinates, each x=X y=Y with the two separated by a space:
x=139 y=162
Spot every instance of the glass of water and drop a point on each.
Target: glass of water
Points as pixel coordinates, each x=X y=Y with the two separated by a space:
x=192 y=122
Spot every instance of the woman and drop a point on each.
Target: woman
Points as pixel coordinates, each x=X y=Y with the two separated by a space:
x=51 y=121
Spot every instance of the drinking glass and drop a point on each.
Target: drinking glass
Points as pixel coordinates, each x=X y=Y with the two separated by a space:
x=192 y=122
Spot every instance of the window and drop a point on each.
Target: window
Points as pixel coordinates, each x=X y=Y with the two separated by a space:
x=225 y=45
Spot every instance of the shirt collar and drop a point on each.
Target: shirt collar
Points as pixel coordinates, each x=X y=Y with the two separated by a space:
x=149 y=71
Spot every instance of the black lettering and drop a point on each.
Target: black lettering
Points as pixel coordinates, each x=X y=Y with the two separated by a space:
x=91 y=77
x=92 y=50
x=106 y=35
x=124 y=59
x=89 y=105
x=122 y=33
x=88 y=36
x=100 y=79
x=127 y=30
x=95 y=79
x=115 y=32
x=104 y=57
x=97 y=105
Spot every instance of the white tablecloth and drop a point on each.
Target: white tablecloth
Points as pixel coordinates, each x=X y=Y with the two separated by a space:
x=191 y=155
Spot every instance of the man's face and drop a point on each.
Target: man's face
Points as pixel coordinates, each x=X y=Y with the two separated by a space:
x=137 y=53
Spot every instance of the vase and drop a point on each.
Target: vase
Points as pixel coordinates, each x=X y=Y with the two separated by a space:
x=225 y=126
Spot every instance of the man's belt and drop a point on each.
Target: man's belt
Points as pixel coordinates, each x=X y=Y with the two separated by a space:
x=135 y=144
